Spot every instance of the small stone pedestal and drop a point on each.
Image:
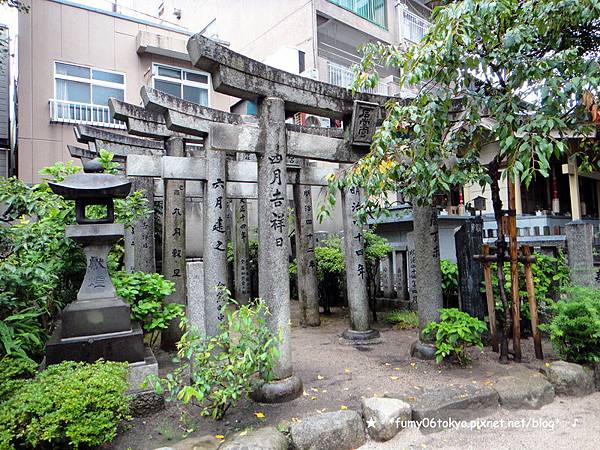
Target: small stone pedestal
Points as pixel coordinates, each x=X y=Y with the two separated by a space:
x=368 y=337
x=277 y=391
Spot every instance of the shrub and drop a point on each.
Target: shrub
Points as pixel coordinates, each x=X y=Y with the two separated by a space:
x=455 y=332
x=575 y=328
x=13 y=373
x=215 y=372
x=146 y=293
x=403 y=320
x=449 y=278
x=66 y=406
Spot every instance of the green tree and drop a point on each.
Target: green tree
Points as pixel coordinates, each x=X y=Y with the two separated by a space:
x=515 y=72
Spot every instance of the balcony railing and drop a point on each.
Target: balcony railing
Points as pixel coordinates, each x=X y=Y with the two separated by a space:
x=372 y=10
x=62 y=111
x=414 y=28
x=343 y=76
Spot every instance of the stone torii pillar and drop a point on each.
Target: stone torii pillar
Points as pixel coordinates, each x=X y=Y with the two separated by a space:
x=139 y=239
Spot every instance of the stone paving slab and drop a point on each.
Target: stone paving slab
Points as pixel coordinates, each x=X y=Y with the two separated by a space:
x=452 y=402
x=528 y=390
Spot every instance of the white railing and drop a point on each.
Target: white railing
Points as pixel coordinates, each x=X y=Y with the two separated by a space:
x=62 y=111
x=414 y=27
x=343 y=76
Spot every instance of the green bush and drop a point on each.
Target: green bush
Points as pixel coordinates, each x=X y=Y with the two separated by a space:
x=13 y=373
x=216 y=372
x=66 y=406
x=449 y=278
x=455 y=332
x=146 y=293
x=550 y=278
x=575 y=327
x=403 y=320
x=40 y=268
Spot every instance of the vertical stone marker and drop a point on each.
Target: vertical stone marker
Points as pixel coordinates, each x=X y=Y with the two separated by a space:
x=428 y=275
x=174 y=268
x=386 y=274
x=360 y=331
x=580 y=240
x=215 y=238
x=241 y=251
x=143 y=235
x=308 y=294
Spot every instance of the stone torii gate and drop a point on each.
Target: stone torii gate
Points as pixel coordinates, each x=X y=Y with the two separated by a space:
x=302 y=178
x=139 y=239
x=277 y=93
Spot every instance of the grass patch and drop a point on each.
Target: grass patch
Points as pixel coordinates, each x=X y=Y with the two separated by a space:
x=403 y=320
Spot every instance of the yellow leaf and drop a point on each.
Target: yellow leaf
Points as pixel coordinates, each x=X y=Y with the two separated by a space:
x=313 y=398
x=314 y=389
x=397 y=369
x=394 y=378
x=319 y=377
x=387 y=364
x=343 y=407
x=346 y=370
x=220 y=436
x=259 y=415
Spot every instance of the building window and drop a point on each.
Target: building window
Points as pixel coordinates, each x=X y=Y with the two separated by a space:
x=81 y=94
x=372 y=10
x=185 y=84
x=414 y=27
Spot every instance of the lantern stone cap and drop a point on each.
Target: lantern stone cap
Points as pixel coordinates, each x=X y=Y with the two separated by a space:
x=92 y=186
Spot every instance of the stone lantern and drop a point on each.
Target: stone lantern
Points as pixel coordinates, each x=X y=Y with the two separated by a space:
x=97 y=324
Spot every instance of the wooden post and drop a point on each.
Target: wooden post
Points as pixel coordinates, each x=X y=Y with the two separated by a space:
x=537 y=338
x=489 y=294
x=514 y=272
x=571 y=170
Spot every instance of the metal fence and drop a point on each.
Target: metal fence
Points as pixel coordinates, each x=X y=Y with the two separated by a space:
x=343 y=76
x=414 y=27
x=62 y=111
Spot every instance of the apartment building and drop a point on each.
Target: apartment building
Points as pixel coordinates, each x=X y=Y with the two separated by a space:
x=73 y=57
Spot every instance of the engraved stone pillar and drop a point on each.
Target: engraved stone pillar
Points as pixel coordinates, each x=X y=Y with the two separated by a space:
x=144 y=229
x=274 y=284
x=469 y=241
x=360 y=331
x=308 y=294
x=215 y=239
x=580 y=239
x=174 y=268
x=387 y=278
x=428 y=276
x=129 y=249
x=241 y=251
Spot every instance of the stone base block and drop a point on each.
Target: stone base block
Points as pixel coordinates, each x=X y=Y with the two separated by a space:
x=127 y=346
x=369 y=337
x=277 y=391
x=98 y=316
x=422 y=350
x=337 y=430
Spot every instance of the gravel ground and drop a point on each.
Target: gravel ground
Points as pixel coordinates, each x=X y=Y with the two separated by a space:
x=337 y=376
x=567 y=423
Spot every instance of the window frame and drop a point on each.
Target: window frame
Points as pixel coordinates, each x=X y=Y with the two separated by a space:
x=182 y=81
x=90 y=81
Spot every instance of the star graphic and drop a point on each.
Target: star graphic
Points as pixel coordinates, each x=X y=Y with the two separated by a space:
x=370 y=422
